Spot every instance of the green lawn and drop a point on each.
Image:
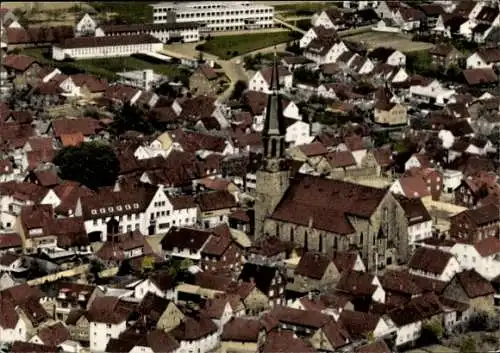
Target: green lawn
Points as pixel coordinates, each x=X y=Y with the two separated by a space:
x=107 y=68
x=226 y=47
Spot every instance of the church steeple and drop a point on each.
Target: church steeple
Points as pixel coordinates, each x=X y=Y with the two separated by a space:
x=274 y=131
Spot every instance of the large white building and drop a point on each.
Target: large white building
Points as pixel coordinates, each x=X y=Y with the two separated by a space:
x=216 y=15
x=105 y=47
x=185 y=32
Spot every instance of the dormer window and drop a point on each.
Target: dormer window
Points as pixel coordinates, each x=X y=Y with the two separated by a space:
x=119 y=208
x=110 y=209
x=127 y=207
x=93 y=212
x=102 y=210
x=136 y=205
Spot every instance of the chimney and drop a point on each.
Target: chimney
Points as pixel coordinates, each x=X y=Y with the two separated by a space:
x=309 y=295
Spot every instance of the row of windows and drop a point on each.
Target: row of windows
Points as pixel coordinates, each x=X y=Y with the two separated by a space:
x=118 y=208
x=113 y=49
x=218 y=13
x=127 y=217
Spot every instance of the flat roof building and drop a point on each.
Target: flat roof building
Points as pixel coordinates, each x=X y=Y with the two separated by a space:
x=216 y=15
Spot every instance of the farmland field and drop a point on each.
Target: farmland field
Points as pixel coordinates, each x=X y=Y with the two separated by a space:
x=397 y=41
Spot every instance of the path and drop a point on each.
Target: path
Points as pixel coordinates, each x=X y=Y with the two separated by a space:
x=279 y=20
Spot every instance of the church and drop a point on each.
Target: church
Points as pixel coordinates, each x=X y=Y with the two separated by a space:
x=322 y=214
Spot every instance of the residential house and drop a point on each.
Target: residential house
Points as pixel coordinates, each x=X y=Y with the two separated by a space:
x=482 y=256
x=484 y=58
x=303 y=323
x=362 y=287
x=269 y=280
x=204 y=81
x=348 y=261
x=324 y=50
x=10 y=242
x=431 y=92
x=329 y=18
x=331 y=337
x=261 y=80
x=477 y=190
x=242 y=335
x=432 y=178
x=480 y=76
x=86 y=26
x=160 y=284
x=215 y=207
x=364 y=324
x=475 y=225
x=433 y=263
x=388 y=56
x=157 y=311
x=375 y=347
x=221 y=253
x=446 y=55
x=471 y=288
x=409 y=18
x=336 y=164
x=56 y=335
x=411 y=187
x=286 y=341
x=390 y=113
x=419 y=220
x=11 y=263
x=25 y=69
x=387 y=9
x=295 y=62
x=417 y=160
x=314 y=272
x=107 y=316
x=196 y=334
x=140 y=338
x=182 y=242
x=316 y=32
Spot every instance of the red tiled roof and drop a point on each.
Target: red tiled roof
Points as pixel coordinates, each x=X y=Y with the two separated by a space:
x=85 y=126
x=18 y=62
x=429 y=260
x=72 y=139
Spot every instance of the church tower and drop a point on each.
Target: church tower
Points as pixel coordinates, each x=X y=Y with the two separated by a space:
x=273 y=176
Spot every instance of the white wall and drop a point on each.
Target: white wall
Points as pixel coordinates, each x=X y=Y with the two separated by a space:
x=59 y=53
x=101 y=333
x=147 y=286
x=18 y=333
x=408 y=333
x=469 y=258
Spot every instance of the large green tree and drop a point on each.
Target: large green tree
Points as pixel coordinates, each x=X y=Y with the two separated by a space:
x=93 y=164
x=131 y=117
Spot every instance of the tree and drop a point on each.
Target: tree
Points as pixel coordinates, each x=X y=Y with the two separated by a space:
x=432 y=331
x=419 y=62
x=148 y=264
x=239 y=87
x=93 y=164
x=129 y=118
x=305 y=76
x=468 y=345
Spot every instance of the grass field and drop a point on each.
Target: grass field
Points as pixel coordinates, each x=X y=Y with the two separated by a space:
x=45 y=5
x=397 y=41
x=226 y=47
x=107 y=68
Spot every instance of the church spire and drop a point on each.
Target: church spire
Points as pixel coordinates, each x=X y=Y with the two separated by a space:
x=274 y=126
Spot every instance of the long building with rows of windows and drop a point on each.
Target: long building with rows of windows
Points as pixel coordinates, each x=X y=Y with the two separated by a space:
x=216 y=15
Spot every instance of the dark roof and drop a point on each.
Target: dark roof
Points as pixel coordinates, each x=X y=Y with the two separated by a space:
x=381 y=53
x=474 y=284
x=184 y=238
x=313 y=265
x=375 y=347
x=488 y=14
x=163 y=280
x=297 y=317
x=192 y=329
x=308 y=199
x=480 y=76
x=242 y=330
x=442 y=49
x=261 y=275
x=285 y=342
x=86 y=126
x=483 y=215
x=418 y=309
x=358 y=323
x=148 y=27
x=109 y=310
x=18 y=62
x=25 y=347
x=54 y=335
x=429 y=260
x=489 y=54
x=356 y=283
x=415 y=210
x=89 y=42
x=216 y=200
x=344 y=260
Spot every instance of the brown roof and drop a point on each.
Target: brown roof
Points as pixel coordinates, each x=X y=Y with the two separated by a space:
x=54 y=335
x=109 y=310
x=480 y=76
x=313 y=265
x=185 y=238
x=357 y=283
x=18 y=62
x=92 y=83
x=218 y=243
x=5 y=166
x=216 y=200
x=285 y=342
x=193 y=141
x=25 y=347
x=46 y=178
x=297 y=317
x=242 y=330
x=442 y=49
x=192 y=329
x=208 y=71
x=10 y=240
x=72 y=139
x=488 y=246
x=267 y=73
x=484 y=214
x=313 y=149
x=414 y=186
x=473 y=284
x=308 y=199
x=340 y=159
x=399 y=282
x=321 y=46
x=85 y=126
x=336 y=334
x=39 y=34
x=429 y=260
x=383 y=156
x=36 y=158
x=89 y=42
x=418 y=309
x=114 y=250
x=489 y=54
x=344 y=260
x=415 y=210
x=358 y=323
x=375 y=347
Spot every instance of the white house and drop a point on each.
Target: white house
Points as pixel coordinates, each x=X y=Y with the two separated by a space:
x=484 y=257
x=298 y=132
x=433 y=263
x=327 y=18
x=290 y=111
x=484 y=58
x=324 y=51
x=307 y=38
x=159 y=284
x=146 y=152
x=14 y=328
x=261 y=81
x=451 y=179
x=102 y=330
x=105 y=47
x=466 y=28
x=86 y=26
x=434 y=92
x=385 y=9
x=419 y=220
x=397 y=58
x=359 y=5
